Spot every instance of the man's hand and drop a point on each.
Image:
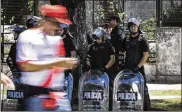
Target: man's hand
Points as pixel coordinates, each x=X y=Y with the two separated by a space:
x=103 y=69
x=136 y=69
x=64 y=63
x=88 y=67
x=7 y=81
x=69 y=63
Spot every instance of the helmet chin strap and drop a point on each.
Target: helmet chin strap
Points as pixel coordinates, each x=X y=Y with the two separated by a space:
x=134 y=33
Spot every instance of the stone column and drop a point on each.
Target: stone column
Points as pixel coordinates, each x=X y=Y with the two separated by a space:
x=168 y=43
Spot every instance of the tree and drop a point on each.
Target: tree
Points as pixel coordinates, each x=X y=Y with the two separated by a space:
x=172 y=16
x=149 y=27
x=14 y=11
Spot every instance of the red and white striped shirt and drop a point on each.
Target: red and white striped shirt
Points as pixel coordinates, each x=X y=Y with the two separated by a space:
x=34 y=46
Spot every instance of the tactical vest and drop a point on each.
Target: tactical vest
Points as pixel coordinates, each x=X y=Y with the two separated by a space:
x=134 y=52
x=100 y=55
x=117 y=36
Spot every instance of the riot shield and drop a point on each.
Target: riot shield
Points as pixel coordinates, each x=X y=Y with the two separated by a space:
x=10 y=101
x=94 y=91
x=69 y=85
x=128 y=92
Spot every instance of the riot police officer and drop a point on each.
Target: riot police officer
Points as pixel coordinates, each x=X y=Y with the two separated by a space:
x=68 y=41
x=70 y=50
x=101 y=53
x=137 y=53
x=11 y=60
x=117 y=35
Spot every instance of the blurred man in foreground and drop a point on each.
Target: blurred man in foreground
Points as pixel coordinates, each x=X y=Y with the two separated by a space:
x=40 y=56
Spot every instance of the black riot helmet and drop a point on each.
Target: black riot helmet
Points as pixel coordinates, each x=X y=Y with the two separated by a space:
x=135 y=21
x=99 y=33
x=32 y=22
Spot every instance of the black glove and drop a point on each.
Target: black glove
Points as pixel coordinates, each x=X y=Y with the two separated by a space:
x=88 y=67
x=103 y=69
x=136 y=69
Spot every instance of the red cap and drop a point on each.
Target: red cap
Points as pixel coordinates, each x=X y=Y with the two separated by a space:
x=58 y=12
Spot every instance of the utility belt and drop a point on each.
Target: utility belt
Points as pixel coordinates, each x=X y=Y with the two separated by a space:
x=48 y=95
x=29 y=90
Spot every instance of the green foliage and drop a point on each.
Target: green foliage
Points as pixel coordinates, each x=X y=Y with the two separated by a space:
x=121 y=16
x=149 y=26
x=105 y=9
x=14 y=11
x=30 y=5
x=172 y=15
x=174 y=11
x=6 y=39
x=111 y=6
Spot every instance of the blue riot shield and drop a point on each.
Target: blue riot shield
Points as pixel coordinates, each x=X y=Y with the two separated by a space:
x=69 y=85
x=94 y=91
x=128 y=92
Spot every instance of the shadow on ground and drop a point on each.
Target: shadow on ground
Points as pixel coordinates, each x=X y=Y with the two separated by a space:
x=166 y=105
x=157 y=105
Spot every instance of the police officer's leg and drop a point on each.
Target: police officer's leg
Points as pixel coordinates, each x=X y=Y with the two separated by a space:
x=111 y=75
x=18 y=87
x=147 y=104
x=111 y=81
x=76 y=77
x=20 y=101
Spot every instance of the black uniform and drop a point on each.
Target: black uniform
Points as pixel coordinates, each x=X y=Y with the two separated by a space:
x=134 y=48
x=69 y=45
x=11 y=60
x=117 y=36
x=100 y=54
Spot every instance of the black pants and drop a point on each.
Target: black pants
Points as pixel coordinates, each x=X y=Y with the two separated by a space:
x=76 y=77
x=147 y=104
x=112 y=74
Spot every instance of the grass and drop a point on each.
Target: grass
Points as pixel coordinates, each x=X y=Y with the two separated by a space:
x=165 y=93
x=167 y=105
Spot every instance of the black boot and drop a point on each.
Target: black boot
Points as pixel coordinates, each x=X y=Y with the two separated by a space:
x=147 y=103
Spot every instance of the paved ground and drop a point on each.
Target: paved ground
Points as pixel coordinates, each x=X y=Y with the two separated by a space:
x=164 y=97
x=164 y=86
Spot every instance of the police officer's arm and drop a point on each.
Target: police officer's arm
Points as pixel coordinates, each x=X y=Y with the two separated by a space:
x=28 y=61
x=124 y=44
x=145 y=50
x=111 y=61
x=88 y=60
x=72 y=47
x=120 y=36
x=112 y=56
x=11 y=55
x=88 y=57
x=144 y=59
x=120 y=33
